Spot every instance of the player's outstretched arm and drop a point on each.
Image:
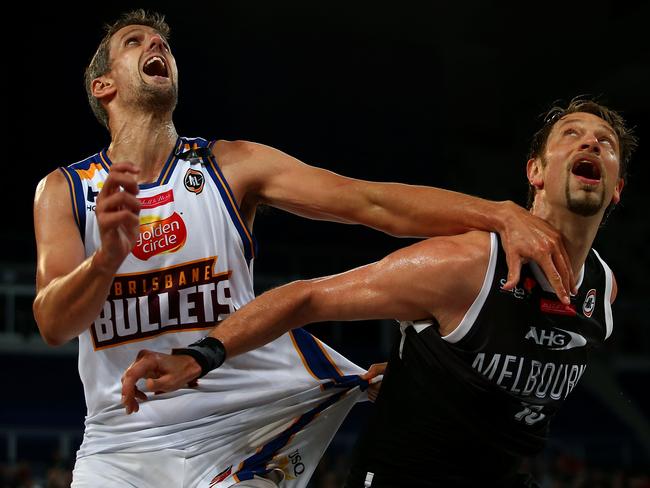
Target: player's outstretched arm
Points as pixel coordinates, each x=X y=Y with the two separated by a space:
x=280 y=180
x=438 y=277
x=71 y=289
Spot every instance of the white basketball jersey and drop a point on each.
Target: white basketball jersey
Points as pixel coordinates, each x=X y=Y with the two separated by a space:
x=190 y=268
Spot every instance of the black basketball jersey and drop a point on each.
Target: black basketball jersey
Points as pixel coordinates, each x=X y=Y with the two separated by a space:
x=462 y=410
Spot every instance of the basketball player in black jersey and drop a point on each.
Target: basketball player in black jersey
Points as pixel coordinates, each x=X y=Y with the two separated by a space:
x=480 y=370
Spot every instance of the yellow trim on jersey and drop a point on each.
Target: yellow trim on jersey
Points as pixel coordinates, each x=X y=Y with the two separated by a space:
x=88 y=174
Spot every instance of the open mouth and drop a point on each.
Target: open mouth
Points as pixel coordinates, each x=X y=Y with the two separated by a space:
x=156 y=66
x=586 y=169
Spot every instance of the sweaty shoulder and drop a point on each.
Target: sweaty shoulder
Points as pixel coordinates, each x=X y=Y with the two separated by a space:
x=232 y=152
x=460 y=264
x=246 y=166
x=50 y=189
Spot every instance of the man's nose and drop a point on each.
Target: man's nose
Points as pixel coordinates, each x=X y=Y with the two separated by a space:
x=591 y=143
x=155 y=42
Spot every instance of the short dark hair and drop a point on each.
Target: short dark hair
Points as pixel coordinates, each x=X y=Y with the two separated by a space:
x=101 y=63
x=626 y=138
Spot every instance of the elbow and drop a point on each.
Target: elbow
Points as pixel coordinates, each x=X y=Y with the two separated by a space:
x=52 y=339
x=47 y=327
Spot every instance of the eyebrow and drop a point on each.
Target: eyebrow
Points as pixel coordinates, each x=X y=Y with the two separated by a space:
x=578 y=121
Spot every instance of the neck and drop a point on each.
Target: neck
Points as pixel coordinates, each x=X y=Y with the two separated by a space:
x=577 y=231
x=143 y=139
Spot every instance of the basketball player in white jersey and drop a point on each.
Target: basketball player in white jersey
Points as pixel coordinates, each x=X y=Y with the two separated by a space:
x=480 y=370
x=148 y=244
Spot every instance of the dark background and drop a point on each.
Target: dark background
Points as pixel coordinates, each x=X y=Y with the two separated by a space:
x=441 y=94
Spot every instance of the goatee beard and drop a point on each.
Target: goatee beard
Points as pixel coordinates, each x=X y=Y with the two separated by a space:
x=586 y=207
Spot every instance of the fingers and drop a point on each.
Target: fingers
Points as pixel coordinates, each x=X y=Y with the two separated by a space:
x=563 y=265
x=556 y=280
x=163 y=373
x=118 y=201
x=374 y=370
x=144 y=366
x=528 y=238
x=122 y=176
x=164 y=384
x=121 y=219
x=514 y=270
x=373 y=392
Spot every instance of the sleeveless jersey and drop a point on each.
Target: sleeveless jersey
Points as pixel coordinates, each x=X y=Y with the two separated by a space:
x=462 y=410
x=190 y=268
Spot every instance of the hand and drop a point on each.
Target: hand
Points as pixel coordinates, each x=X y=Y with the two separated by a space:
x=529 y=238
x=118 y=212
x=375 y=371
x=164 y=373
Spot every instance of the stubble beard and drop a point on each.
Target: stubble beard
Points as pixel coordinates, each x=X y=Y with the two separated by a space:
x=156 y=99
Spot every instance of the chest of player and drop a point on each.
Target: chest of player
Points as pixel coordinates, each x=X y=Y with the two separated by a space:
x=530 y=344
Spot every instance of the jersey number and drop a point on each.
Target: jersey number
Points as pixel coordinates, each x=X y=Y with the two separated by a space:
x=531 y=414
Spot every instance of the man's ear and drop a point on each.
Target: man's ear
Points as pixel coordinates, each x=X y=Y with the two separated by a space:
x=616 y=196
x=103 y=87
x=534 y=173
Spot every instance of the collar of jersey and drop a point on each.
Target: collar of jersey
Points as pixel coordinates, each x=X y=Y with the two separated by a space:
x=165 y=172
x=546 y=286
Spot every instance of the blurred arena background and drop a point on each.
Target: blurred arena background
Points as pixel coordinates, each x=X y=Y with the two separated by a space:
x=445 y=94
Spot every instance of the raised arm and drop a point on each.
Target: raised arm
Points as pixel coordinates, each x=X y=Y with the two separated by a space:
x=70 y=288
x=266 y=175
x=434 y=278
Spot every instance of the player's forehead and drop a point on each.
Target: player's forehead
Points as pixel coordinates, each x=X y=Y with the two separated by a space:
x=584 y=119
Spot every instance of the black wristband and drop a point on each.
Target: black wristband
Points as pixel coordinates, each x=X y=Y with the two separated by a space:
x=209 y=352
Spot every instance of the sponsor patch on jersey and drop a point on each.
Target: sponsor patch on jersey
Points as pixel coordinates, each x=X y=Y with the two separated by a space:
x=590 y=303
x=221 y=476
x=157 y=200
x=160 y=236
x=557 y=308
x=555 y=338
x=194 y=181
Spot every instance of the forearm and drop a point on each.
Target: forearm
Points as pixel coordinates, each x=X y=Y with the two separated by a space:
x=70 y=303
x=266 y=318
x=419 y=211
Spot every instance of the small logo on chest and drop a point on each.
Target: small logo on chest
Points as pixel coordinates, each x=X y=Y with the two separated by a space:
x=194 y=181
x=555 y=339
x=590 y=303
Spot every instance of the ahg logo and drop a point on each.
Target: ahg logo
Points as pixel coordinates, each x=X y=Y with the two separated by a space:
x=556 y=339
x=167 y=235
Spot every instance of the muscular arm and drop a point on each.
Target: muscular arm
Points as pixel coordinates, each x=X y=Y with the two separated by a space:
x=70 y=289
x=260 y=174
x=435 y=278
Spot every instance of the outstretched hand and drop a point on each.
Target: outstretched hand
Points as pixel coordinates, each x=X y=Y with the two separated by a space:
x=526 y=237
x=163 y=373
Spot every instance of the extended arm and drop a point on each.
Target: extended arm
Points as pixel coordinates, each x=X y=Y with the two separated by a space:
x=439 y=277
x=71 y=289
x=265 y=175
